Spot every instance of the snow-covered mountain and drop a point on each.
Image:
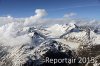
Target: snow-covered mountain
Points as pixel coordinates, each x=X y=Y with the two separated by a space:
x=21 y=44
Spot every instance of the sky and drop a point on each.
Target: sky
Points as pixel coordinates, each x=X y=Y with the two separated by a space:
x=89 y=9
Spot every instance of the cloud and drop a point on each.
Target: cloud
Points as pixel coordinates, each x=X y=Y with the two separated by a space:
x=70 y=14
x=5 y=20
x=9 y=17
x=34 y=19
x=38 y=20
x=40 y=13
x=10 y=35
